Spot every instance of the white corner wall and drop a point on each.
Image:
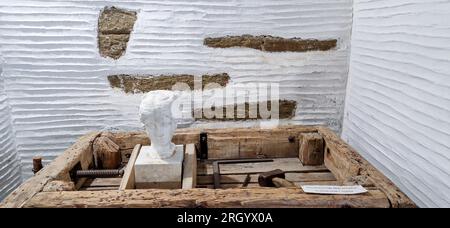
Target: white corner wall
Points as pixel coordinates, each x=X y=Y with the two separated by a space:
x=398 y=99
x=10 y=176
x=57 y=84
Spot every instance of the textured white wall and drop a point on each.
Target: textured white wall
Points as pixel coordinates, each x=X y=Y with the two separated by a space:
x=10 y=176
x=56 y=79
x=398 y=98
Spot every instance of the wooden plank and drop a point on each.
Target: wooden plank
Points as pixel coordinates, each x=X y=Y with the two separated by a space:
x=269 y=146
x=293 y=177
x=311 y=149
x=128 y=176
x=207 y=198
x=103 y=182
x=255 y=185
x=347 y=165
x=223 y=147
x=255 y=145
x=189 y=167
x=99 y=188
x=78 y=153
x=285 y=164
x=333 y=183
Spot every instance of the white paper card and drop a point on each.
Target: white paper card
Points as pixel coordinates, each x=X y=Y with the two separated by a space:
x=334 y=190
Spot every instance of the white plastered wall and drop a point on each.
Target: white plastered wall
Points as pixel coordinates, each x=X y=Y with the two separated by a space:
x=57 y=84
x=10 y=176
x=398 y=98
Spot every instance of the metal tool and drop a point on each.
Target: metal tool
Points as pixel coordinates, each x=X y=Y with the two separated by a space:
x=216 y=168
x=203 y=152
x=105 y=173
x=274 y=178
x=247 y=180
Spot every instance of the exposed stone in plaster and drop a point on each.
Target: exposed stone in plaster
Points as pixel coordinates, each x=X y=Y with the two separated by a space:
x=271 y=43
x=287 y=111
x=114 y=28
x=143 y=84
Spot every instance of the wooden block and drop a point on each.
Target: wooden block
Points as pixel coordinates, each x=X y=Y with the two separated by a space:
x=106 y=153
x=189 y=167
x=311 y=149
x=128 y=177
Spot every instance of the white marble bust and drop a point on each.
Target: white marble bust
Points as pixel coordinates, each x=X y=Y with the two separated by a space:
x=156 y=114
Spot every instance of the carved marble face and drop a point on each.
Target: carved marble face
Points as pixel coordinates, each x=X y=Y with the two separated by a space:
x=156 y=114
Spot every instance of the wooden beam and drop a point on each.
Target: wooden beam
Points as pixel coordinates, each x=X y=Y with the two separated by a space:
x=293 y=177
x=255 y=144
x=56 y=186
x=256 y=185
x=127 y=140
x=105 y=188
x=189 y=167
x=285 y=164
x=103 y=182
x=207 y=198
x=346 y=164
x=78 y=153
x=311 y=149
x=128 y=177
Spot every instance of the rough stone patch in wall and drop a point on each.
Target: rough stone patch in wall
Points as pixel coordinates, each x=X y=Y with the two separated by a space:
x=114 y=28
x=286 y=111
x=144 y=84
x=271 y=43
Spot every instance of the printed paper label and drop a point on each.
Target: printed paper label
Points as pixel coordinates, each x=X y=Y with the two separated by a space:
x=334 y=190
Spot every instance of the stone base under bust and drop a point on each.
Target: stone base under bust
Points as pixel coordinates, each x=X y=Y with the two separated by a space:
x=154 y=172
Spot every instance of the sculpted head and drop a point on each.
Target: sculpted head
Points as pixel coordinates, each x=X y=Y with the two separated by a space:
x=156 y=114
